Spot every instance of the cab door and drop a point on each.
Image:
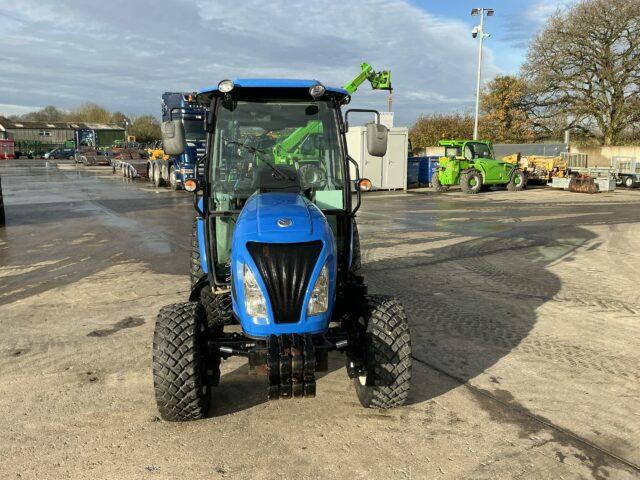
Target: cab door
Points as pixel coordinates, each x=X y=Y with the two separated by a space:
x=494 y=170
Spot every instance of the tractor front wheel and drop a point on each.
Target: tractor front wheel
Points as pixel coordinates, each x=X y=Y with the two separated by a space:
x=517 y=182
x=183 y=369
x=435 y=182
x=471 y=182
x=386 y=376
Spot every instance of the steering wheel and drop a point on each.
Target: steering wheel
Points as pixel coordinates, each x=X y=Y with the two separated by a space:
x=312 y=176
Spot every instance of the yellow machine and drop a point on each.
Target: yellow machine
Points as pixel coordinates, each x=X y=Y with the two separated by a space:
x=539 y=167
x=156 y=152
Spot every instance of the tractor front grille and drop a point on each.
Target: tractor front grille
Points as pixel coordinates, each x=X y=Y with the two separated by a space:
x=286 y=269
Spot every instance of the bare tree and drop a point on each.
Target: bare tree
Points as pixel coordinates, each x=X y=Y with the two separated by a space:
x=585 y=65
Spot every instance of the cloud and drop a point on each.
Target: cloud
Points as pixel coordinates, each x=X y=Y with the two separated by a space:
x=7 y=109
x=524 y=24
x=125 y=53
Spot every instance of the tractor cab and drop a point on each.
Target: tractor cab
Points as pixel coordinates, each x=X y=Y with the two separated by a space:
x=275 y=249
x=467 y=149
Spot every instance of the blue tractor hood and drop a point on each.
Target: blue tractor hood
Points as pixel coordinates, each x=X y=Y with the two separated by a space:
x=286 y=241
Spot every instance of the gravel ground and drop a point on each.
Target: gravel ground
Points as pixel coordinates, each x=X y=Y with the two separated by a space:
x=524 y=314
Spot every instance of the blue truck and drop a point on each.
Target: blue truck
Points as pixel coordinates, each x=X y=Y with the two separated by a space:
x=175 y=170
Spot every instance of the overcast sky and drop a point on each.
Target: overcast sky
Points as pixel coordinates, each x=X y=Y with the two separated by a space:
x=124 y=53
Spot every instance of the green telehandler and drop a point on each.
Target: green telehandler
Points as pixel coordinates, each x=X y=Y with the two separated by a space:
x=472 y=165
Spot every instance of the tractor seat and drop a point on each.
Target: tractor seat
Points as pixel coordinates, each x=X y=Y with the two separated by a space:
x=266 y=180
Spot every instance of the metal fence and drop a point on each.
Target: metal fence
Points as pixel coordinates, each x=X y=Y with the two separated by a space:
x=543 y=149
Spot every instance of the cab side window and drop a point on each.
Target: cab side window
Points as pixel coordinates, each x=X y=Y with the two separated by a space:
x=481 y=150
x=468 y=151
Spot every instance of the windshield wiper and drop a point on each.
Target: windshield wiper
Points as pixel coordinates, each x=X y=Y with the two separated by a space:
x=255 y=150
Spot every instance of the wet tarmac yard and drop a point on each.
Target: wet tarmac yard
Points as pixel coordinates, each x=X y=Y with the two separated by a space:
x=524 y=310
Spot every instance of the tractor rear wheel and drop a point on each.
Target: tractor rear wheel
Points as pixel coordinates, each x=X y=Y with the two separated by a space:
x=183 y=369
x=435 y=181
x=386 y=379
x=218 y=306
x=471 y=182
x=517 y=182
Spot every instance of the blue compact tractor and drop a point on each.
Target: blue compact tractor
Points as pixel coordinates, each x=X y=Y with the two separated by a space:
x=275 y=262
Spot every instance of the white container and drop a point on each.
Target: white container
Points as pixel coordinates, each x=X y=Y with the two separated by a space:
x=388 y=172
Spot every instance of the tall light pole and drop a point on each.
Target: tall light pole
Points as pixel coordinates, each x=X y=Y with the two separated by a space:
x=479 y=31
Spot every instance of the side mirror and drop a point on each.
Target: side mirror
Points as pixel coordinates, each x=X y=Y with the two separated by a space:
x=377 y=137
x=173 y=137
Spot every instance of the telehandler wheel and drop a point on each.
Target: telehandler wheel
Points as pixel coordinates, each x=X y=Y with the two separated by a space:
x=183 y=369
x=471 y=182
x=517 y=182
x=435 y=182
x=387 y=377
x=218 y=306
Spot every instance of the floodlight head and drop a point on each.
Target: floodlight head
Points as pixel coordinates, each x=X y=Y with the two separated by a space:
x=489 y=12
x=475 y=11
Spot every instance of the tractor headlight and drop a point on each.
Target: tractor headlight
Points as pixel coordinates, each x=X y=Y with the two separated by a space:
x=317 y=90
x=319 y=300
x=225 y=86
x=254 y=302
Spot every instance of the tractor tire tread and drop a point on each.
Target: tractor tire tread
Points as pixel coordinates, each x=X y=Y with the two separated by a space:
x=217 y=306
x=195 y=270
x=180 y=385
x=389 y=353
x=356 y=256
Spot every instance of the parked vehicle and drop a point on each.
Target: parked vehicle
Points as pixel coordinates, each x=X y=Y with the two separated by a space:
x=7 y=150
x=277 y=250
x=59 y=153
x=627 y=171
x=472 y=165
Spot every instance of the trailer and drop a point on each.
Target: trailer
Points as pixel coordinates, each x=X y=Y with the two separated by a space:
x=627 y=171
x=130 y=163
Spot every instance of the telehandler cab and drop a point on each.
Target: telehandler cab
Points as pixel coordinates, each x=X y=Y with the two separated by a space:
x=276 y=249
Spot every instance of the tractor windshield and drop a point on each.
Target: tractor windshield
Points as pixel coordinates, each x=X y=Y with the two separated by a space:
x=295 y=142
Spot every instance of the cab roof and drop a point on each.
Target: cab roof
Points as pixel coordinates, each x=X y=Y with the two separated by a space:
x=275 y=83
x=460 y=143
